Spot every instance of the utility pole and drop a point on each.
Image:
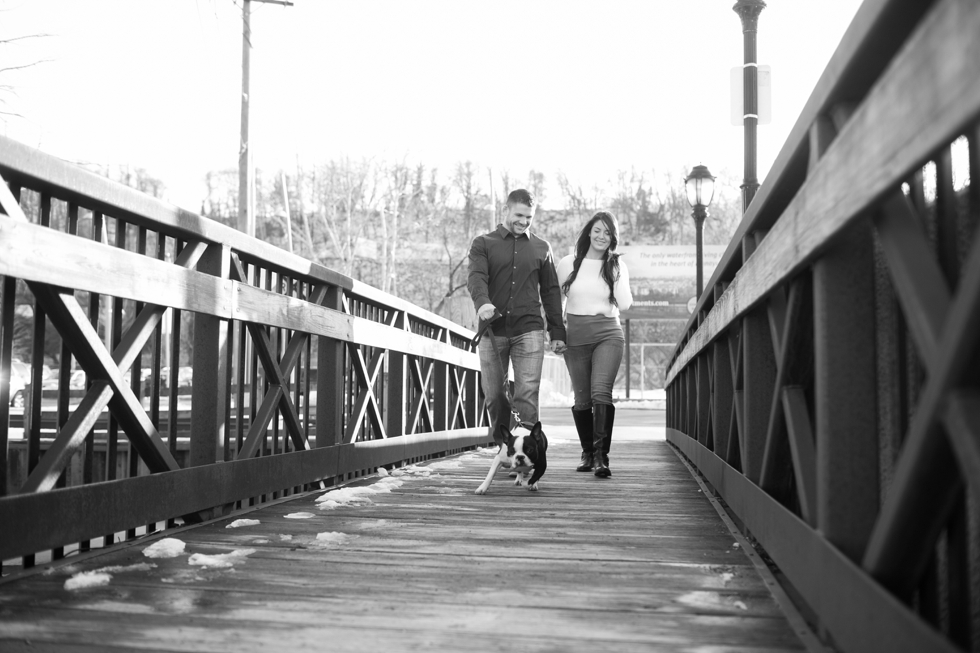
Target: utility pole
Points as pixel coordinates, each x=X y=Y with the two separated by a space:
x=748 y=11
x=246 y=173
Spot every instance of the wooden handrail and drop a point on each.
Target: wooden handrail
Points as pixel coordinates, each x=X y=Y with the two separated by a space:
x=264 y=324
x=825 y=385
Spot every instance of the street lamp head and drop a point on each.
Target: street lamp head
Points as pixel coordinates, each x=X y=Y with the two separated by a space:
x=700 y=186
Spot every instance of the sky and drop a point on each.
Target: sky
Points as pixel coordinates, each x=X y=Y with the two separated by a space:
x=587 y=87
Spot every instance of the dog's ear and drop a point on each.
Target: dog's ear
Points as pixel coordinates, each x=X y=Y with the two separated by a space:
x=503 y=433
x=536 y=433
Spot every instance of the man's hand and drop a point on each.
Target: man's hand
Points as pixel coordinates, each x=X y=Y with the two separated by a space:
x=558 y=346
x=486 y=312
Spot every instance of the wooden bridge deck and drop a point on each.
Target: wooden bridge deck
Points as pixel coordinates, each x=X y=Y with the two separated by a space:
x=639 y=562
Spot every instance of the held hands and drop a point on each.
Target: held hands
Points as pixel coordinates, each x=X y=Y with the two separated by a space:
x=558 y=346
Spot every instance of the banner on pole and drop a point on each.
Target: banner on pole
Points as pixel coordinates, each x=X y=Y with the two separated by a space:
x=663 y=278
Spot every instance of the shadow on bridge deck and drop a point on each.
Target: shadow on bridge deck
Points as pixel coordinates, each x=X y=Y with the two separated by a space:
x=416 y=561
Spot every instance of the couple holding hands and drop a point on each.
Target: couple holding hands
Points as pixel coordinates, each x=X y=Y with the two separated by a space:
x=512 y=273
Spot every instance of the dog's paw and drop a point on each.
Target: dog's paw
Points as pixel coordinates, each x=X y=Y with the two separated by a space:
x=481 y=490
x=518 y=482
x=533 y=488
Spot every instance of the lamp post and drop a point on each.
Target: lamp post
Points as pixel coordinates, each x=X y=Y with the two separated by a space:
x=748 y=11
x=700 y=189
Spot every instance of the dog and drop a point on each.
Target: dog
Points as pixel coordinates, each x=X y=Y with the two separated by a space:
x=521 y=453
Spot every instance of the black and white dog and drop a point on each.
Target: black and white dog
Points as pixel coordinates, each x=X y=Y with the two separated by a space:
x=522 y=453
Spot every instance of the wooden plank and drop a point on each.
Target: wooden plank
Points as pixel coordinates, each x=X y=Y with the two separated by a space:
x=397 y=385
x=802 y=450
x=375 y=334
x=829 y=201
x=331 y=370
x=71 y=438
x=916 y=276
x=414 y=572
x=82 y=264
x=703 y=400
x=858 y=613
x=962 y=421
x=260 y=306
x=209 y=425
x=9 y=292
x=721 y=397
x=38 y=170
x=845 y=412
x=361 y=289
x=272 y=309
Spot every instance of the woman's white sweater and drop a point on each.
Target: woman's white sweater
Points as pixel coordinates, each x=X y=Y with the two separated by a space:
x=589 y=293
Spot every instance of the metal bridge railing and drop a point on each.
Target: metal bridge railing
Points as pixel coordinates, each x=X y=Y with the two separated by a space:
x=178 y=369
x=828 y=385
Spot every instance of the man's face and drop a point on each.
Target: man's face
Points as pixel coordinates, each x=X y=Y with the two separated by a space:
x=518 y=218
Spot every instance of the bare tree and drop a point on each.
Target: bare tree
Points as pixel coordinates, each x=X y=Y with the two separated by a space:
x=8 y=89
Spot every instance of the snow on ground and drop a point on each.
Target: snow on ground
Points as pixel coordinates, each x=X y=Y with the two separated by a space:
x=117 y=569
x=168 y=547
x=238 y=523
x=300 y=515
x=103 y=575
x=333 y=538
x=220 y=560
x=361 y=495
x=85 y=579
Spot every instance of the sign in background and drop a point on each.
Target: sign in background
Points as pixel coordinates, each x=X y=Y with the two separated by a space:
x=663 y=278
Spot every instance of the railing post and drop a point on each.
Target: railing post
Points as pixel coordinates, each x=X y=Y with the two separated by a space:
x=845 y=398
x=759 y=378
x=330 y=380
x=471 y=404
x=703 y=399
x=395 y=385
x=440 y=393
x=209 y=394
x=721 y=408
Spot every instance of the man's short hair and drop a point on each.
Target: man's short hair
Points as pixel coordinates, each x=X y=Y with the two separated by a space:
x=520 y=196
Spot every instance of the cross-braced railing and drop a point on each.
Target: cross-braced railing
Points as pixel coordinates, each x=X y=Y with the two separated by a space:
x=195 y=369
x=829 y=383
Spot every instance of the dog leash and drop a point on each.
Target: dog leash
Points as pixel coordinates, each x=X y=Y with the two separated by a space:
x=488 y=329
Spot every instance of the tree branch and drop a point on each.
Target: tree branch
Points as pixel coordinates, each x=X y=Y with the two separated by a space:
x=26 y=65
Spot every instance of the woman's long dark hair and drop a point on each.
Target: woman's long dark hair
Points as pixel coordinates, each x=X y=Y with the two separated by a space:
x=610 y=265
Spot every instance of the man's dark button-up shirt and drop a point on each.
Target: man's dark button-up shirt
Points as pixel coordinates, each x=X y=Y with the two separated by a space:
x=516 y=274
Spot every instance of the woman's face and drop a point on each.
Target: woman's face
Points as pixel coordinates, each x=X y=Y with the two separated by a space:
x=600 y=237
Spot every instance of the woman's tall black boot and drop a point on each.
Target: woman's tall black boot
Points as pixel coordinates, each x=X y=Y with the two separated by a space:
x=583 y=424
x=604 y=415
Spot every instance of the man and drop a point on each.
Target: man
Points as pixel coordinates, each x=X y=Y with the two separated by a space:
x=512 y=272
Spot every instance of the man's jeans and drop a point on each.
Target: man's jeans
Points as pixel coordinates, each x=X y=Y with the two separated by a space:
x=593 y=370
x=526 y=353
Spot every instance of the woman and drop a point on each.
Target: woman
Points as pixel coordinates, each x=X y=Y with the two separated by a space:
x=596 y=287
